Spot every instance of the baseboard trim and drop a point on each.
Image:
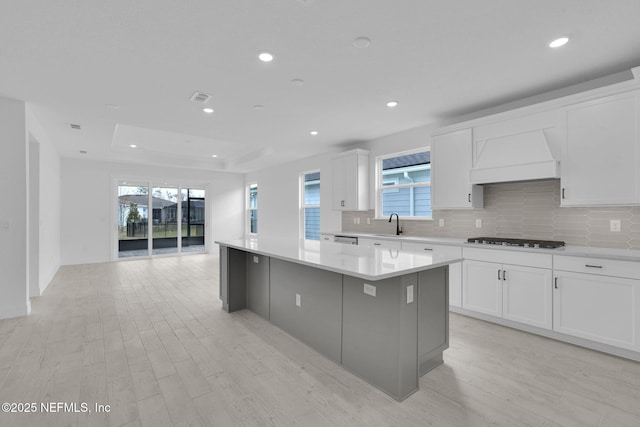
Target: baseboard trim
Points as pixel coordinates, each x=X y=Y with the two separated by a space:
x=12 y=312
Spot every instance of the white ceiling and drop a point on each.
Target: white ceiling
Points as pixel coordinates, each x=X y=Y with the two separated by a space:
x=74 y=61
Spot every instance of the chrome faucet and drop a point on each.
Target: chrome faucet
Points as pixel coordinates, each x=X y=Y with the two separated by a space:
x=398 y=229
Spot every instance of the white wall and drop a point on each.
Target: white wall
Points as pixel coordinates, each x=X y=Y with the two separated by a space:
x=279 y=197
x=14 y=276
x=89 y=204
x=46 y=210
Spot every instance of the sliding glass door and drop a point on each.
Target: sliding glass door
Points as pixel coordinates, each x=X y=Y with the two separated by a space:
x=193 y=220
x=133 y=220
x=159 y=220
x=166 y=212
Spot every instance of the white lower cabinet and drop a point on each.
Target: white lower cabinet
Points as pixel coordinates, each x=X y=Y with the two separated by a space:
x=455 y=269
x=527 y=296
x=596 y=306
x=520 y=292
x=482 y=287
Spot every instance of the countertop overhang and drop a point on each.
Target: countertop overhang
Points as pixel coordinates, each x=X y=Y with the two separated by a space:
x=369 y=263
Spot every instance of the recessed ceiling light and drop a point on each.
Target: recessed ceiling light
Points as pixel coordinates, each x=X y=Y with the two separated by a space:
x=208 y=110
x=258 y=107
x=214 y=155
x=314 y=132
x=297 y=82
x=559 y=42
x=362 y=42
x=132 y=145
x=265 y=57
x=392 y=104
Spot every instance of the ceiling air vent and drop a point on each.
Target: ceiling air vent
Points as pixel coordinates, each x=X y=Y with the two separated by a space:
x=74 y=126
x=200 y=97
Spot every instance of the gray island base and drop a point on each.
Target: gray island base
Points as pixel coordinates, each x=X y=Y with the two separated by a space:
x=389 y=331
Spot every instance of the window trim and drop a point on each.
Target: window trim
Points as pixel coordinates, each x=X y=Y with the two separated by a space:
x=379 y=181
x=302 y=229
x=249 y=208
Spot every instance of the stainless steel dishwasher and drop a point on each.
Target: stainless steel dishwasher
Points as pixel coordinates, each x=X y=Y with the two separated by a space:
x=349 y=240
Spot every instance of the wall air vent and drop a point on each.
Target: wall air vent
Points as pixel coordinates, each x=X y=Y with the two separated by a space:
x=74 y=126
x=200 y=97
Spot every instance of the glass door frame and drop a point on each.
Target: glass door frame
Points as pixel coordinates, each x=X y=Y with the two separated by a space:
x=150 y=184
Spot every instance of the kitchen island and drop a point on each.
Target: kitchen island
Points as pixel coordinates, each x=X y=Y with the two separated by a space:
x=381 y=313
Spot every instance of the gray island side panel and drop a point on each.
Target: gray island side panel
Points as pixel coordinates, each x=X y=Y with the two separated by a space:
x=233 y=279
x=318 y=320
x=380 y=333
x=258 y=289
x=433 y=317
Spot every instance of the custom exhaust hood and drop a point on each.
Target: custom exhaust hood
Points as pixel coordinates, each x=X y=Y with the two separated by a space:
x=520 y=157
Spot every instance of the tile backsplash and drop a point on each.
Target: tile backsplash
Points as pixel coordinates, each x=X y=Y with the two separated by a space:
x=519 y=210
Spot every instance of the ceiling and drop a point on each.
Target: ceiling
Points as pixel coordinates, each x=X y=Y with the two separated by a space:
x=125 y=70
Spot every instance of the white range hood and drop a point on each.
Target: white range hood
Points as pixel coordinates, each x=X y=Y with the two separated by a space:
x=521 y=157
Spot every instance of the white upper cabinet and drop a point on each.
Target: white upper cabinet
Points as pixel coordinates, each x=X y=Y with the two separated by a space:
x=350 y=181
x=451 y=155
x=601 y=160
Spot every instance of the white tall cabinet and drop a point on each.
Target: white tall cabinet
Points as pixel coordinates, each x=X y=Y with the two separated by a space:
x=601 y=160
x=350 y=173
x=451 y=156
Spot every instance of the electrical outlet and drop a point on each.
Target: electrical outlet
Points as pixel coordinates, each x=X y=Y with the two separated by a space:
x=358 y=220
x=256 y=259
x=614 y=225
x=409 y=294
x=369 y=289
x=298 y=300
x=355 y=220
x=441 y=222
x=478 y=223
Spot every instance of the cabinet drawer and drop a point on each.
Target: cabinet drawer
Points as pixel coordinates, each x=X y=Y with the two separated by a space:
x=600 y=266
x=454 y=251
x=527 y=259
x=391 y=244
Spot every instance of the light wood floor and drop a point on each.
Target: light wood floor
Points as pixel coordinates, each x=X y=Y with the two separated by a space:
x=149 y=338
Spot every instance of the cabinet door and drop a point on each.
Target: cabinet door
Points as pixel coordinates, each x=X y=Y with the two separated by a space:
x=351 y=183
x=339 y=171
x=451 y=162
x=482 y=287
x=599 y=308
x=601 y=159
x=527 y=295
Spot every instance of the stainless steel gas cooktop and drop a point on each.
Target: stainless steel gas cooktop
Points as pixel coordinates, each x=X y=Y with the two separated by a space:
x=525 y=243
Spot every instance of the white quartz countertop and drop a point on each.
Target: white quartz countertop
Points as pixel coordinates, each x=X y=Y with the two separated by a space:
x=569 y=250
x=369 y=263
